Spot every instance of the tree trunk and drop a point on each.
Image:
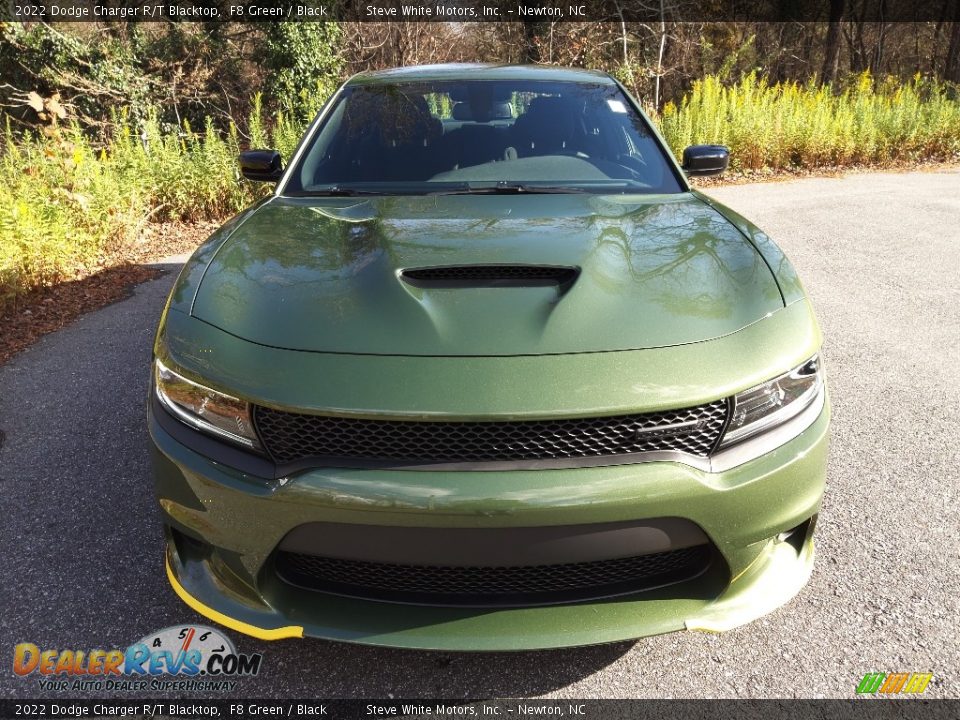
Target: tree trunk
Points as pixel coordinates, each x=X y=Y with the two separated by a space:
x=831 y=58
x=876 y=66
x=951 y=70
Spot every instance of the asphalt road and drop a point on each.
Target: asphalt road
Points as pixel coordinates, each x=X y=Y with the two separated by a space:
x=81 y=557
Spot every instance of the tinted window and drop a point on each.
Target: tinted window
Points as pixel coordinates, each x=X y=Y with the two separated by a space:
x=422 y=137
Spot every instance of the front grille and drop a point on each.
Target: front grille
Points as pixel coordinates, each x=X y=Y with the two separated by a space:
x=291 y=437
x=481 y=586
x=467 y=275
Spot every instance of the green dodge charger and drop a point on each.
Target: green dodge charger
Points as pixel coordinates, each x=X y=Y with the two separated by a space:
x=485 y=373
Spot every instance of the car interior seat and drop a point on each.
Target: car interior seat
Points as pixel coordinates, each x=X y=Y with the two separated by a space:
x=396 y=135
x=546 y=128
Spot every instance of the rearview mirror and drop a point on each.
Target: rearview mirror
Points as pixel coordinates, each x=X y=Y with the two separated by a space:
x=262 y=165
x=705 y=159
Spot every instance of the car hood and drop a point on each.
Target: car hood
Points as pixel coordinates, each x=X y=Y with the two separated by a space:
x=326 y=274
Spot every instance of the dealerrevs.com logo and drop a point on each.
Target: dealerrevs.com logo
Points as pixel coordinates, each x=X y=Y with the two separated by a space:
x=182 y=657
x=903 y=683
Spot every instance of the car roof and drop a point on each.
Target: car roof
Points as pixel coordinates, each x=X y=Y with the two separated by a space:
x=480 y=71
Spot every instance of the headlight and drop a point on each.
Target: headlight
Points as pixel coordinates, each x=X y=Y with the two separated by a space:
x=207 y=410
x=773 y=403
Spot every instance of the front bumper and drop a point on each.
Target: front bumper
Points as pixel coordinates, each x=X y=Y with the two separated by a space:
x=223 y=528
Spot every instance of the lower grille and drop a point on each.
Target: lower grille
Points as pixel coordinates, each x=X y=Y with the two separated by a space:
x=486 y=586
x=291 y=437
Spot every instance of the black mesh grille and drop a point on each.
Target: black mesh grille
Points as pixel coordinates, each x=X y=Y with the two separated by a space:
x=529 y=585
x=290 y=437
x=490 y=274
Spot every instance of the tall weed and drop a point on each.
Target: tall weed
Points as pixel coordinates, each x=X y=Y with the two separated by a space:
x=788 y=125
x=67 y=204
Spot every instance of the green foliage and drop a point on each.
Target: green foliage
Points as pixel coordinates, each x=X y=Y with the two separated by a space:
x=298 y=56
x=73 y=194
x=788 y=125
x=98 y=74
x=66 y=203
x=57 y=204
x=175 y=72
x=440 y=105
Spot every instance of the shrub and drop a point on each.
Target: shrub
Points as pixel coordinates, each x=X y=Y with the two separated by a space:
x=68 y=204
x=788 y=125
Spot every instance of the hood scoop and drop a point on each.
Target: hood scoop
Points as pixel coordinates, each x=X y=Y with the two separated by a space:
x=474 y=276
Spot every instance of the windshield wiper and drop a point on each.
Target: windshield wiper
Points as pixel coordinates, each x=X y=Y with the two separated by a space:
x=337 y=191
x=510 y=188
x=502 y=187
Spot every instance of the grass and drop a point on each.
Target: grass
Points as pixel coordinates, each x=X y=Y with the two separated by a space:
x=787 y=126
x=68 y=205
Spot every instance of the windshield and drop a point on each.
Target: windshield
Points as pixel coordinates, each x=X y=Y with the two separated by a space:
x=469 y=136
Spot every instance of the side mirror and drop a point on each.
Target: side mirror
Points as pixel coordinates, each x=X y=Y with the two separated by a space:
x=705 y=159
x=262 y=165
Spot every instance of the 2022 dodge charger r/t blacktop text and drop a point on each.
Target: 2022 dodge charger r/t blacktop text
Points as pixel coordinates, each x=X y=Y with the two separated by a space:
x=484 y=373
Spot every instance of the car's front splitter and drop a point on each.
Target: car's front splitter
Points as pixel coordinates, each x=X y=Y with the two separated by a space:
x=706 y=604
